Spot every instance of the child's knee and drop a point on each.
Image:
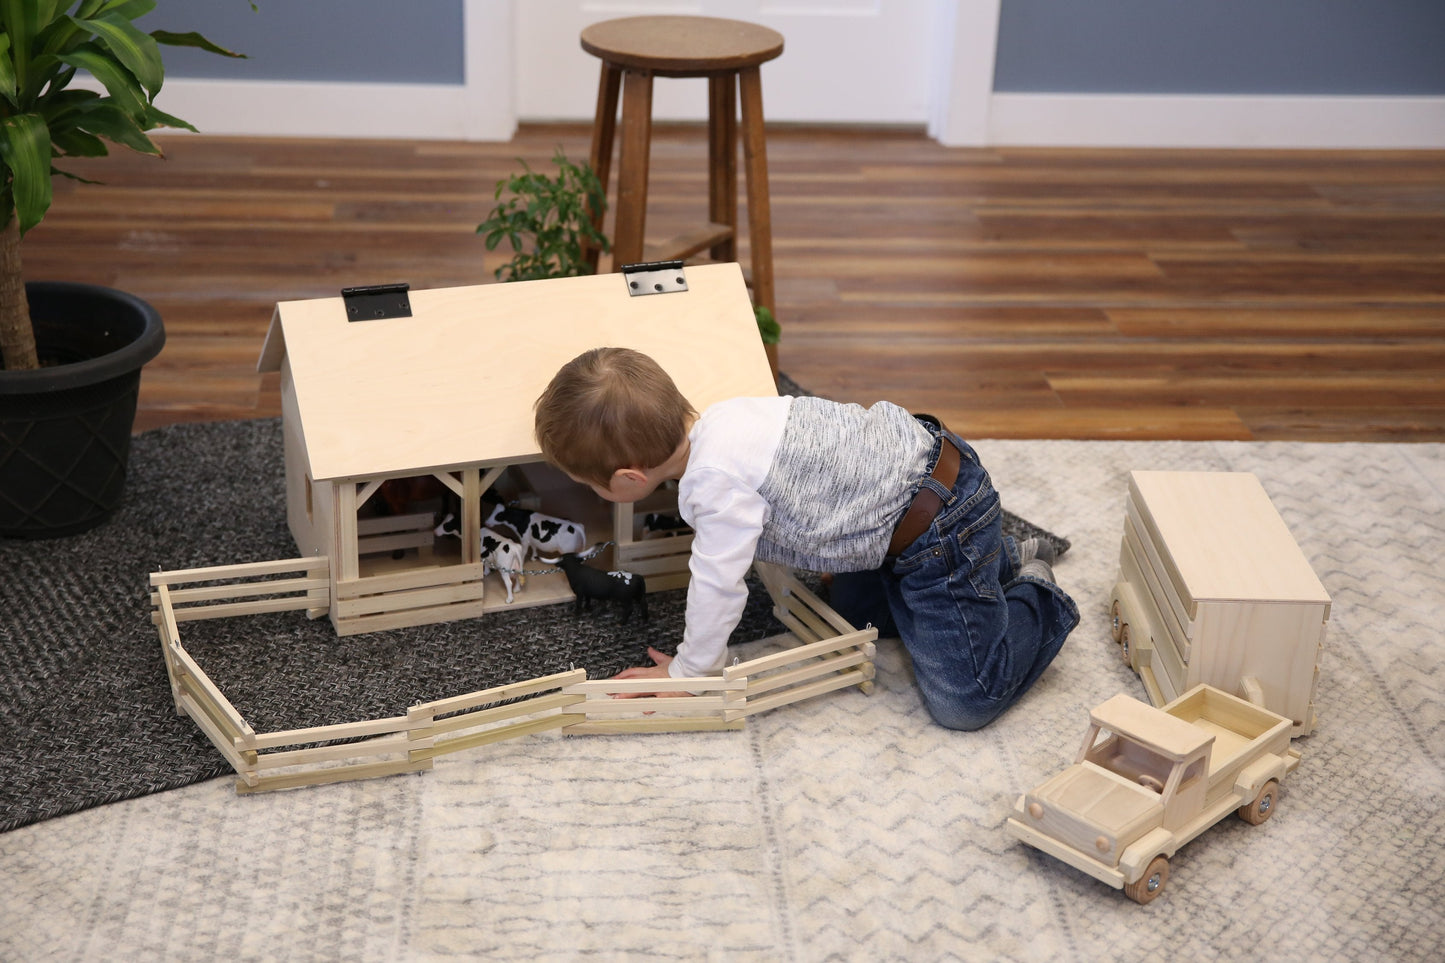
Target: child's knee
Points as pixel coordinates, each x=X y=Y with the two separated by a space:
x=964 y=715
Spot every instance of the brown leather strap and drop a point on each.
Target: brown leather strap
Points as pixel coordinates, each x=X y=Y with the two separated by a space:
x=927 y=502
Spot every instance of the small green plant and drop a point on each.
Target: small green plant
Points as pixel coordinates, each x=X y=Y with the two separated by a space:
x=768 y=328
x=548 y=222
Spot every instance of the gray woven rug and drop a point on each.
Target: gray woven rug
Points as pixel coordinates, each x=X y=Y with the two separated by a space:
x=85 y=711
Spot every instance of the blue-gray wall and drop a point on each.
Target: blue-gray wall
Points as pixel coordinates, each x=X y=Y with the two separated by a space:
x=381 y=41
x=1339 y=47
x=1328 y=47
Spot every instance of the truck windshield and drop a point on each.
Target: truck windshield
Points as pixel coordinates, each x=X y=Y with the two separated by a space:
x=1128 y=758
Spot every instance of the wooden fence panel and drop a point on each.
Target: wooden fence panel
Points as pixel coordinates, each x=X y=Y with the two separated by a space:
x=833 y=656
x=250 y=583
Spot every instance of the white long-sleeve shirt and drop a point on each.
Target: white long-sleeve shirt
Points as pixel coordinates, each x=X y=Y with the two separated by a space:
x=800 y=481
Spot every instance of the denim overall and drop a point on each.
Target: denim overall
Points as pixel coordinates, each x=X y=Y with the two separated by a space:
x=978 y=633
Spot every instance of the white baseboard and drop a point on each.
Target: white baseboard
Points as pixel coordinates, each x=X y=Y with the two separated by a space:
x=284 y=109
x=444 y=112
x=1109 y=120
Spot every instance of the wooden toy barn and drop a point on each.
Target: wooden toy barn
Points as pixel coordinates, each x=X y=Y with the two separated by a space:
x=438 y=404
x=402 y=406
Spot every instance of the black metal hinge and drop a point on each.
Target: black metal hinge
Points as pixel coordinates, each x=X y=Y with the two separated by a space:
x=654 y=277
x=376 y=302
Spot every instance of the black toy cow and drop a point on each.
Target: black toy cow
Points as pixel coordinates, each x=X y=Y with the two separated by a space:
x=626 y=588
x=659 y=525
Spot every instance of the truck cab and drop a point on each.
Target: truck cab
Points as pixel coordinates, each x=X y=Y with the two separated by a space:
x=1167 y=760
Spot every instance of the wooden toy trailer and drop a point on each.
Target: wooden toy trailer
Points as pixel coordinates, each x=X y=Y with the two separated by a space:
x=1213 y=589
x=443 y=394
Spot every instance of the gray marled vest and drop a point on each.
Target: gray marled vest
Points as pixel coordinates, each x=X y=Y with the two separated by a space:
x=839 y=482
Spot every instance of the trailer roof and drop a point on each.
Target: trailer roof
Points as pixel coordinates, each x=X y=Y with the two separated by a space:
x=1222 y=538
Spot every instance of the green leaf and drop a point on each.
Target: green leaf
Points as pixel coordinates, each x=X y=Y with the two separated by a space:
x=45 y=70
x=25 y=149
x=106 y=120
x=18 y=18
x=7 y=71
x=57 y=35
x=131 y=10
x=136 y=50
x=155 y=117
x=192 y=39
x=62 y=103
x=768 y=328
x=119 y=82
x=72 y=177
x=48 y=10
x=77 y=143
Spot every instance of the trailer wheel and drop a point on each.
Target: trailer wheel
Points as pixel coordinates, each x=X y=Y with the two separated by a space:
x=1151 y=884
x=1116 y=617
x=1263 y=806
x=1124 y=645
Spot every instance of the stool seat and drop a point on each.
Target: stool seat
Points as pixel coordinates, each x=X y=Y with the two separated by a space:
x=633 y=51
x=681 y=46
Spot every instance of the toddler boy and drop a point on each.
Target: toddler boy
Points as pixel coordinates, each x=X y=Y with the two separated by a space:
x=897 y=506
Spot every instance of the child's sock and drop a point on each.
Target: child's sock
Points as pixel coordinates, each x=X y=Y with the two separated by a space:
x=1037 y=568
x=1036 y=548
x=1036 y=558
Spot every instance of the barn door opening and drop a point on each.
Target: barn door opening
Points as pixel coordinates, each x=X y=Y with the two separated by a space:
x=413 y=521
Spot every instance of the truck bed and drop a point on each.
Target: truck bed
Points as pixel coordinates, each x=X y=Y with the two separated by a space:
x=1237 y=725
x=1228 y=745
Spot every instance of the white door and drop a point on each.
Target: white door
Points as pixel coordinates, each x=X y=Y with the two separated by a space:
x=843 y=61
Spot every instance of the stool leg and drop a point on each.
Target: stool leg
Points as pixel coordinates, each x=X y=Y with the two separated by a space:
x=631 y=221
x=755 y=158
x=722 y=161
x=604 y=126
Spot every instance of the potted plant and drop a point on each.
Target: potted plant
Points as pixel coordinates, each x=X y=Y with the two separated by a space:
x=771 y=333
x=548 y=221
x=71 y=354
x=550 y=224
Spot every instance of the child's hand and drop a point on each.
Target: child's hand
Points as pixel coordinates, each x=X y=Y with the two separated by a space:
x=655 y=671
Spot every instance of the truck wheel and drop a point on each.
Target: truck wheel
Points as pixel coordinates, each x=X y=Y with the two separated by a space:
x=1263 y=806
x=1151 y=884
x=1116 y=617
x=1124 y=645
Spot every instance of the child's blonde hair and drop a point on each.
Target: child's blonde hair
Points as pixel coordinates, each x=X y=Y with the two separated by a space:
x=610 y=408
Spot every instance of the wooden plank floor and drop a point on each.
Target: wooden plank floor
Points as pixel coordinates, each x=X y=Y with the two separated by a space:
x=1014 y=293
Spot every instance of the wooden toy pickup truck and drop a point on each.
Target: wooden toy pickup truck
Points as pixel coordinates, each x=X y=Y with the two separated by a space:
x=1148 y=780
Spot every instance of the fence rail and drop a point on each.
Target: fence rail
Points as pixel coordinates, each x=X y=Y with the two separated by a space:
x=222 y=591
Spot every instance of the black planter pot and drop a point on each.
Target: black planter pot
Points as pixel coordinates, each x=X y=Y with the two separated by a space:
x=65 y=429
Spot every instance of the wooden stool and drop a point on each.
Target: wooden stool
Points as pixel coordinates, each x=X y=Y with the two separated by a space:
x=633 y=50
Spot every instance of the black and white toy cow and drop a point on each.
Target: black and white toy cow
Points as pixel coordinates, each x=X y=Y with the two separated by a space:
x=541 y=533
x=625 y=588
x=660 y=525
x=500 y=554
x=503 y=556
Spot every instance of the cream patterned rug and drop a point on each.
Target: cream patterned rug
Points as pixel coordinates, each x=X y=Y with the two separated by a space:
x=847 y=827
